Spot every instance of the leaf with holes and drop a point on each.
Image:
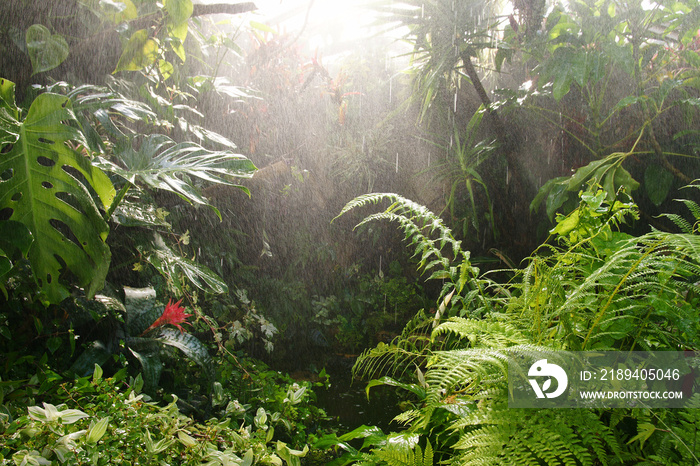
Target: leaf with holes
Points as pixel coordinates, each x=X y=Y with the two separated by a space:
x=9 y=113
x=45 y=184
x=161 y=163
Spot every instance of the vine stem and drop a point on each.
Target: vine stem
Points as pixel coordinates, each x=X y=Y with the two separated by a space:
x=669 y=430
x=600 y=315
x=117 y=200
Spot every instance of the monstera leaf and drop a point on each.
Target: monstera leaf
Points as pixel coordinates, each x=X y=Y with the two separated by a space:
x=160 y=163
x=45 y=183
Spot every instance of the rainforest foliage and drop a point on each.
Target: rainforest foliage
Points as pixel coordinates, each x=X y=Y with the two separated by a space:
x=178 y=263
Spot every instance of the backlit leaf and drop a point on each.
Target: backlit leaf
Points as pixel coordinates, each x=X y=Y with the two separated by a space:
x=139 y=52
x=118 y=11
x=179 y=11
x=97 y=430
x=46 y=50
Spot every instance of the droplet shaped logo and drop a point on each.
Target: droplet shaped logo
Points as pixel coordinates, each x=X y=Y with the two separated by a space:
x=542 y=368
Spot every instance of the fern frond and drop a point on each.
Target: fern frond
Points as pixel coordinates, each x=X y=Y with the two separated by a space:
x=407 y=417
x=680 y=222
x=467 y=372
x=481 y=333
x=400 y=454
x=433 y=242
x=551 y=437
x=403 y=354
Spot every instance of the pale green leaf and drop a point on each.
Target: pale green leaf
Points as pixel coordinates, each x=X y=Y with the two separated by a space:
x=97 y=431
x=46 y=51
x=179 y=11
x=139 y=52
x=118 y=11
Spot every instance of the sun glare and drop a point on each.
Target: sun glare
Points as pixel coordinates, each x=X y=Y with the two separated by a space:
x=326 y=24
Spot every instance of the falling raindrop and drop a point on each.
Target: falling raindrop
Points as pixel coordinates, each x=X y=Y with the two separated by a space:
x=397 y=162
x=422 y=10
x=507 y=175
x=428 y=158
x=455 y=104
x=562 y=142
x=390 y=87
x=450 y=141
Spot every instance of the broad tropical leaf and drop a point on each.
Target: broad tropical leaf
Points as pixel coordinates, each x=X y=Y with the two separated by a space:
x=179 y=11
x=108 y=107
x=9 y=113
x=139 y=52
x=160 y=163
x=147 y=352
x=46 y=51
x=190 y=346
x=45 y=185
x=15 y=241
x=172 y=265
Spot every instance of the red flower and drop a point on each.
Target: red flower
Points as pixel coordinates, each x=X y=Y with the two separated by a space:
x=173 y=314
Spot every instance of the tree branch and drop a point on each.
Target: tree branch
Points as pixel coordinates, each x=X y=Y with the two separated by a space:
x=503 y=133
x=222 y=8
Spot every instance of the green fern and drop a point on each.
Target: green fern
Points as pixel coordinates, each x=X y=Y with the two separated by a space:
x=673 y=435
x=400 y=454
x=551 y=437
x=438 y=252
x=402 y=355
x=593 y=288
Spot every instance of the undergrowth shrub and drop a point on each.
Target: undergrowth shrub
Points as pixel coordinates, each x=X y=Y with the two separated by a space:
x=591 y=287
x=100 y=420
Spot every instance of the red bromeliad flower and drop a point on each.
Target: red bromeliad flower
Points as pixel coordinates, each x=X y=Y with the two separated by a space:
x=173 y=314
